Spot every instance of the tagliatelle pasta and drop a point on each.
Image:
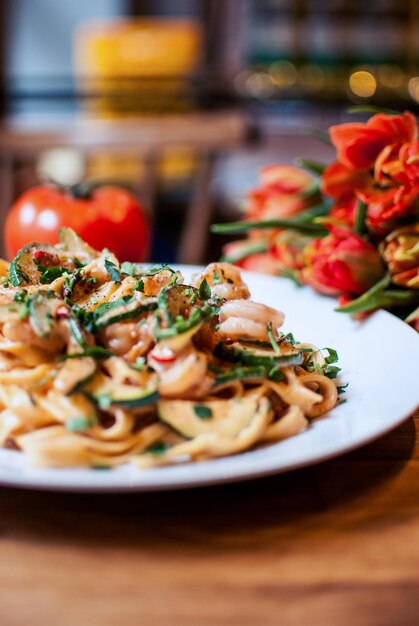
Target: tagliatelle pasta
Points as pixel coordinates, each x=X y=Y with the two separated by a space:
x=103 y=363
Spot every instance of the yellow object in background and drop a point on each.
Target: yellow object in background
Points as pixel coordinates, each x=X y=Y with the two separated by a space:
x=132 y=67
x=175 y=165
x=137 y=65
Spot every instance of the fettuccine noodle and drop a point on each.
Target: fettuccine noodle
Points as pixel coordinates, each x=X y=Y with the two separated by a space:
x=103 y=363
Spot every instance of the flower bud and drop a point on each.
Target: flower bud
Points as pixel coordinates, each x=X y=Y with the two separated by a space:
x=400 y=251
x=341 y=263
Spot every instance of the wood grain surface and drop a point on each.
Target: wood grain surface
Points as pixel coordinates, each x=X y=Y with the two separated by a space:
x=334 y=544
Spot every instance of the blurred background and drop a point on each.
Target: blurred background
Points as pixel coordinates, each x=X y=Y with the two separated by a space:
x=185 y=99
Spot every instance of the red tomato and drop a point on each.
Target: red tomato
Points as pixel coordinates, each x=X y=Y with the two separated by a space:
x=109 y=217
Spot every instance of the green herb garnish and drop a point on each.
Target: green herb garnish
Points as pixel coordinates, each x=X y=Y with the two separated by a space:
x=129 y=268
x=97 y=352
x=157 y=448
x=202 y=411
x=333 y=356
x=50 y=274
x=139 y=364
x=103 y=401
x=217 y=278
x=76 y=331
x=113 y=271
x=139 y=285
x=272 y=341
x=331 y=371
x=80 y=423
x=204 y=290
x=17 y=275
x=20 y=296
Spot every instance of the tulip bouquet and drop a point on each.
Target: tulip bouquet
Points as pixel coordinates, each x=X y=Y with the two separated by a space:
x=349 y=229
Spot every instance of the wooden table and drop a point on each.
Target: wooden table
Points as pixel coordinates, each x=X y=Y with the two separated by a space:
x=334 y=544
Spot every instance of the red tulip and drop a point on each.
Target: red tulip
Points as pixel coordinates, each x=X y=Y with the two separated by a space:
x=340 y=182
x=284 y=192
x=287 y=247
x=359 y=144
x=341 y=263
x=387 y=205
x=402 y=167
x=344 y=212
x=285 y=178
x=263 y=262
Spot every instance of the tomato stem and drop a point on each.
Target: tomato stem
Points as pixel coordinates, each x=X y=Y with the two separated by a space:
x=83 y=190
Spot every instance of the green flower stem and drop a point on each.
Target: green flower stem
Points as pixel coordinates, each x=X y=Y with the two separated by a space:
x=361 y=213
x=380 y=297
x=312 y=166
x=308 y=227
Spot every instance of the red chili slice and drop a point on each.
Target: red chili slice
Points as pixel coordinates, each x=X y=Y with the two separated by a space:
x=47 y=259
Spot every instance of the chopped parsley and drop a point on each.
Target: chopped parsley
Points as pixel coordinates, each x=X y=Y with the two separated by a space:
x=139 y=364
x=49 y=274
x=129 y=268
x=289 y=337
x=331 y=371
x=204 y=290
x=80 y=423
x=97 y=352
x=157 y=448
x=113 y=271
x=17 y=275
x=156 y=269
x=332 y=357
x=272 y=341
x=217 y=278
x=202 y=411
x=76 y=331
x=103 y=401
x=20 y=296
x=139 y=285
x=85 y=317
x=342 y=388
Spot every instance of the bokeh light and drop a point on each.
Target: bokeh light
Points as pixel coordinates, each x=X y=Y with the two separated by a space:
x=363 y=84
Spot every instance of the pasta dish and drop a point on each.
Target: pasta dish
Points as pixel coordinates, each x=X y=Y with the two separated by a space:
x=104 y=363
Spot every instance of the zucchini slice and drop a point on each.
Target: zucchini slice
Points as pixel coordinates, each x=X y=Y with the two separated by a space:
x=182 y=312
x=105 y=392
x=74 y=374
x=121 y=310
x=238 y=373
x=42 y=309
x=248 y=354
x=74 y=244
x=23 y=270
x=220 y=417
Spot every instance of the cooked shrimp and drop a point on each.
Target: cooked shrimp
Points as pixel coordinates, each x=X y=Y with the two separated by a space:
x=144 y=343
x=224 y=281
x=186 y=375
x=248 y=320
x=120 y=337
x=153 y=284
x=18 y=330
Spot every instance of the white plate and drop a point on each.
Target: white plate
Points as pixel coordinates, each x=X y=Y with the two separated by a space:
x=379 y=358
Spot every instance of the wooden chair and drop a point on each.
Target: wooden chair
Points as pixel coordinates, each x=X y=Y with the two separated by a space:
x=209 y=134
